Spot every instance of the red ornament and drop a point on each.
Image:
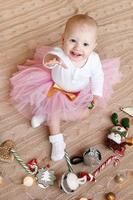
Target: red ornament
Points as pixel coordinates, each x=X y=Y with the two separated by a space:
x=121 y=151
x=32 y=164
x=90 y=177
x=48 y=165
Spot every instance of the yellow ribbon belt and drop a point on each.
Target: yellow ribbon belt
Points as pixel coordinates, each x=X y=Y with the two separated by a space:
x=55 y=88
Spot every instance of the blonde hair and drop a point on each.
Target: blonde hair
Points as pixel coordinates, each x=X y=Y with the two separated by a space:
x=80 y=19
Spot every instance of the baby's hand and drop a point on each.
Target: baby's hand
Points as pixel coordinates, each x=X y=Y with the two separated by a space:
x=96 y=100
x=94 y=103
x=55 y=62
x=52 y=63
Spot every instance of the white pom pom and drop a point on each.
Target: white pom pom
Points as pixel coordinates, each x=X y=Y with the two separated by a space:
x=72 y=181
x=28 y=181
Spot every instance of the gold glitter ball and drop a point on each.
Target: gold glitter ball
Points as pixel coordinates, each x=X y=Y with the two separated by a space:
x=28 y=181
x=110 y=196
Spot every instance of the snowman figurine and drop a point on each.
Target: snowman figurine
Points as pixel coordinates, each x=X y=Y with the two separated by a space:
x=70 y=182
x=116 y=139
x=118 y=134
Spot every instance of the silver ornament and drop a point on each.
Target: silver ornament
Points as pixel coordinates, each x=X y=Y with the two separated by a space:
x=92 y=157
x=45 y=177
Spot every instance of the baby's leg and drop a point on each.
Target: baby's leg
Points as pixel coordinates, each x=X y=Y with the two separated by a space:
x=56 y=139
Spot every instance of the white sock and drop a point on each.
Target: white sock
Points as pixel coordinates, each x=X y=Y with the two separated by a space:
x=58 y=146
x=36 y=121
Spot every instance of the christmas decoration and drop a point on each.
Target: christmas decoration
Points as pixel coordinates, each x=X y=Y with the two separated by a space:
x=32 y=164
x=22 y=163
x=110 y=196
x=128 y=110
x=28 y=181
x=125 y=122
x=5 y=153
x=68 y=161
x=129 y=141
x=90 y=177
x=120 y=178
x=112 y=158
x=91 y=157
x=117 y=138
x=70 y=181
x=114 y=118
x=44 y=176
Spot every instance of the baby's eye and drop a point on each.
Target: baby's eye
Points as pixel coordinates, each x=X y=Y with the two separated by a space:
x=73 y=40
x=86 y=44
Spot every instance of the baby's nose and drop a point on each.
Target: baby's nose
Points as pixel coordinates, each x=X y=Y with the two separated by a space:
x=77 y=46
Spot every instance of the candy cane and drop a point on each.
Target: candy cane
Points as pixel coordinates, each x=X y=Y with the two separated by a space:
x=22 y=163
x=106 y=163
x=69 y=165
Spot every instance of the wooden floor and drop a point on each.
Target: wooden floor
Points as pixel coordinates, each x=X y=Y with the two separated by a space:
x=27 y=24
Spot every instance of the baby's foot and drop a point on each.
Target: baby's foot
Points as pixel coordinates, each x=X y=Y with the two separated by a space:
x=58 y=151
x=36 y=121
x=58 y=147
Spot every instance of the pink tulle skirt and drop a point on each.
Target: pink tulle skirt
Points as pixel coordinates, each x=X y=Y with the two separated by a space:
x=30 y=86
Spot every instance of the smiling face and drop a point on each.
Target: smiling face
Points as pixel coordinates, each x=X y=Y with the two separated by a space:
x=79 y=41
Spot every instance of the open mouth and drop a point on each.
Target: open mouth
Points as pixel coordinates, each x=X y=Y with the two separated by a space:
x=75 y=54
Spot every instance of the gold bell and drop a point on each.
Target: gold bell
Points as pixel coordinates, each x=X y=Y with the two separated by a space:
x=129 y=141
x=110 y=196
x=120 y=178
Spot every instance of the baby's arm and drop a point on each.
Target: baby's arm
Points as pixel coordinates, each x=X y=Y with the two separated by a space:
x=50 y=61
x=97 y=80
